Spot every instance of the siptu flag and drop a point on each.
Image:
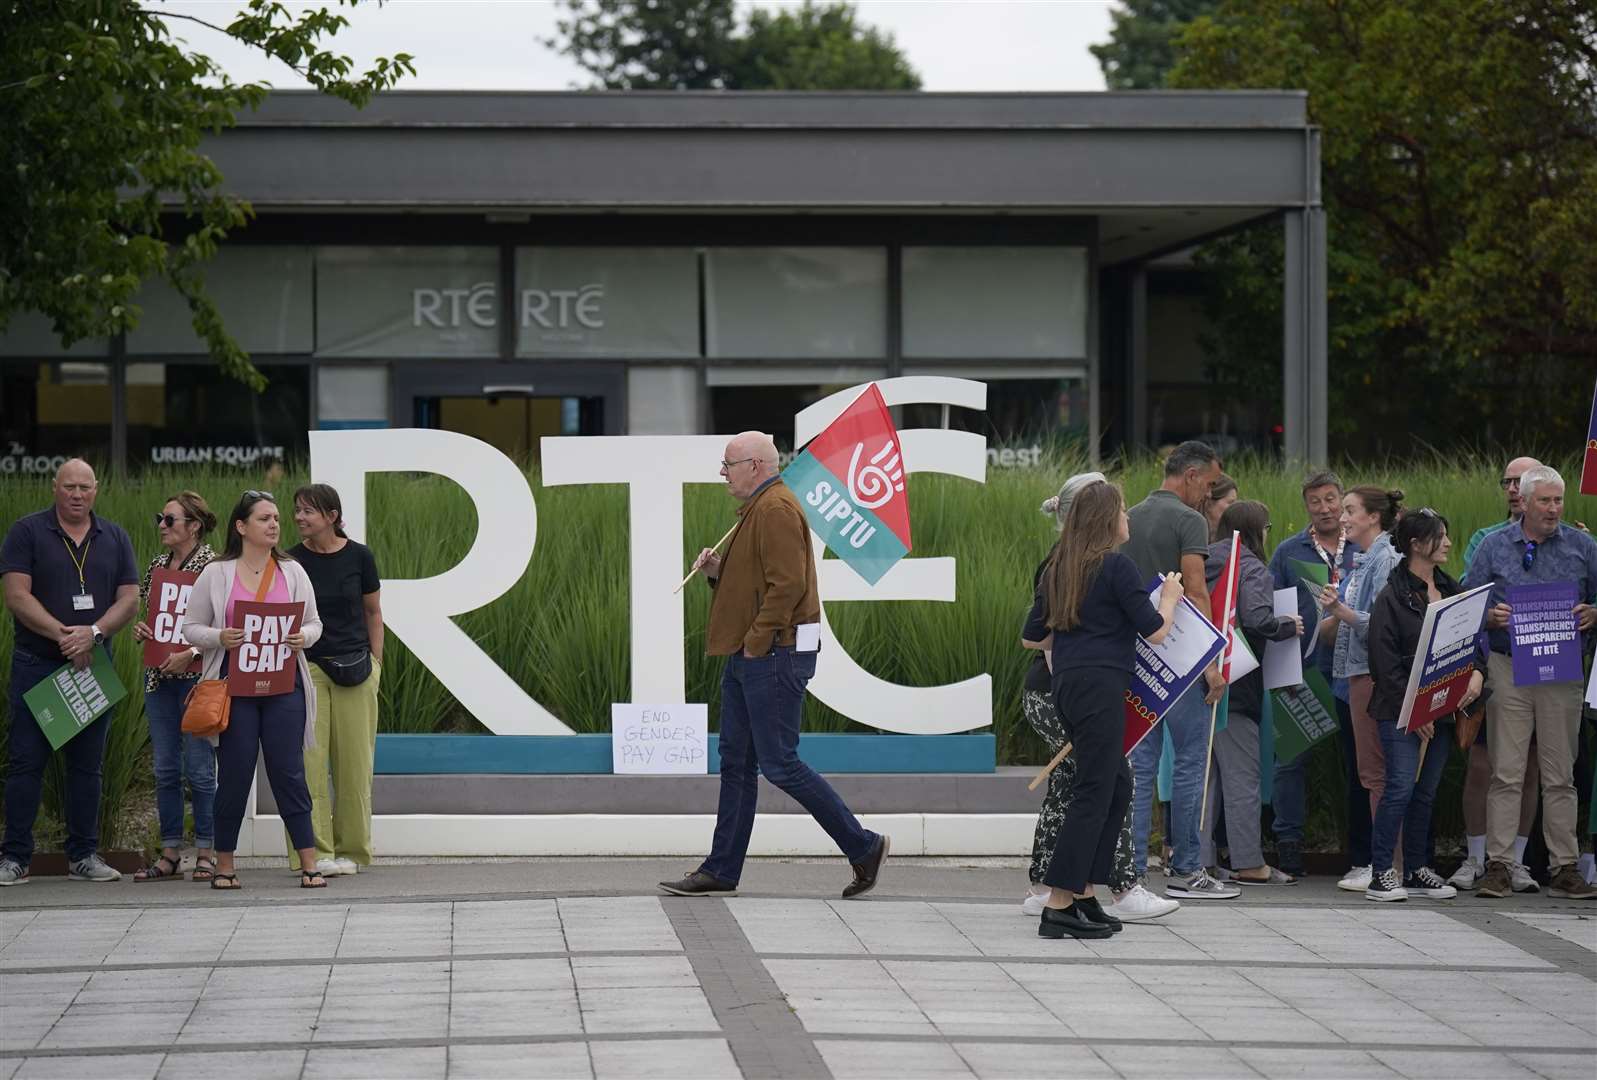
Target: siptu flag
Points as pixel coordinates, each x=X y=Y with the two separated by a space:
x=1588 y=472
x=850 y=481
x=1223 y=611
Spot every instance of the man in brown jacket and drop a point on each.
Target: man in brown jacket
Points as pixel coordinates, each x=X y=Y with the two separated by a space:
x=765 y=619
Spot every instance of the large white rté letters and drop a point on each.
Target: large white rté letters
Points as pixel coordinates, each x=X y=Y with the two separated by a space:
x=654 y=468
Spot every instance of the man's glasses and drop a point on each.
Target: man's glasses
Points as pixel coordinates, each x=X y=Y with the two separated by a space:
x=169 y=520
x=728 y=465
x=1530 y=554
x=1509 y=481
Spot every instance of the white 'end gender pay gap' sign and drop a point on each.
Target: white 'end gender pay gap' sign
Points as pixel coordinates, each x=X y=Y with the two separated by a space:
x=660 y=739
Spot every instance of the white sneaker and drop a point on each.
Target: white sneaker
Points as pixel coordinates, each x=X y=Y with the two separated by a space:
x=93 y=868
x=1035 y=901
x=1356 y=879
x=329 y=868
x=1519 y=877
x=1201 y=886
x=347 y=867
x=1138 y=904
x=1468 y=874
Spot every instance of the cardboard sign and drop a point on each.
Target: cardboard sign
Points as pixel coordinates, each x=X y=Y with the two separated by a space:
x=1444 y=658
x=1304 y=715
x=1283 y=660
x=169 y=599
x=68 y=700
x=264 y=664
x=660 y=740
x=1169 y=669
x=1544 y=633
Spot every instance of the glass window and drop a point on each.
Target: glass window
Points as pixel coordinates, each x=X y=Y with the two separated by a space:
x=30 y=334
x=425 y=302
x=795 y=302
x=190 y=413
x=52 y=411
x=263 y=293
x=1011 y=302
x=1027 y=410
x=769 y=408
x=351 y=397
x=606 y=301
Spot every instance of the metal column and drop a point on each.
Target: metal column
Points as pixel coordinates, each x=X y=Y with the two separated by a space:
x=1304 y=364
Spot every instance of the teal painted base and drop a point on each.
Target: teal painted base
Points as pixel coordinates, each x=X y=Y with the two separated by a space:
x=546 y=754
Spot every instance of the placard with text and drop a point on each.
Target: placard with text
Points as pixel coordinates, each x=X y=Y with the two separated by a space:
x=169 y=599
x=1165 y=671
x=1544 y=633
x=660 y=739
x=1444 y=658
x=264 y=665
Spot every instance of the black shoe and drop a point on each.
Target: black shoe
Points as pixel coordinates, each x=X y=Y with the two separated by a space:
x=1068 y=922
x=1289 y=857
x=699 y=883
x=1093 y=911
x=865 y=872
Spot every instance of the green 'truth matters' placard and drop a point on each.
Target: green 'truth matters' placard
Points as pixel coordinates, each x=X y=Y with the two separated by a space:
x=1304 y=715
x=69 y=700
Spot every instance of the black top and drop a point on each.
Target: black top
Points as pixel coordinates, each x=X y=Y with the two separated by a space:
x=342 y=581
x=37 y=545
x=1396 y=618
x=1114 y=612
x=1037 y=674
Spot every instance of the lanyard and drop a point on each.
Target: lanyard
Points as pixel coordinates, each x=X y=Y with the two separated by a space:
x=83 y=586
x=1334 y=564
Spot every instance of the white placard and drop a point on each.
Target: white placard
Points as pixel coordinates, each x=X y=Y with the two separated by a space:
x=1283 y=660
x=1591 y=688
x=660 y=739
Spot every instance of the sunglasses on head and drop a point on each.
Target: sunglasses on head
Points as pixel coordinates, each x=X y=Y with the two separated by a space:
x=1530 y=554
x=267 y=495
x=169 y=520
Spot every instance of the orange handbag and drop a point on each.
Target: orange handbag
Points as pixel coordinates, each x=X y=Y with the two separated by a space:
x=206 y=708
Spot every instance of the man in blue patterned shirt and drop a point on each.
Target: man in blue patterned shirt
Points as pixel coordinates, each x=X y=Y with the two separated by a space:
x=1540 y=548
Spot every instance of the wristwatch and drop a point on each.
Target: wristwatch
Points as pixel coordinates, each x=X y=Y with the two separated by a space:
x=99 y=638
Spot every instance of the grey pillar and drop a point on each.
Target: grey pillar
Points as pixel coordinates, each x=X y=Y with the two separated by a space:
x=1137 y=356
x=119 y=406
x=1303 y=355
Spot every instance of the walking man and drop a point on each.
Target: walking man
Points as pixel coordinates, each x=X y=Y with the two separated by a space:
x=70 y=584
x=1540 y=548
x=764 y=618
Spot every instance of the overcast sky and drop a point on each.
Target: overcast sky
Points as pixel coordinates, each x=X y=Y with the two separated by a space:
x=494 y=44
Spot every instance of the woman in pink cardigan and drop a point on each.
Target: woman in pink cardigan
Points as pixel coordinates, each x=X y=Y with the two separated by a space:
x=278 y=727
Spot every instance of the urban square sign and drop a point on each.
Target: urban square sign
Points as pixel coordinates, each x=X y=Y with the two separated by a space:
x=654 y=468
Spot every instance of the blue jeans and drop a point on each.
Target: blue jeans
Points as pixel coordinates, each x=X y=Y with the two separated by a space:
x=1188 y=724
x=762 y=703
x=1289 y=802
x=1406 y=803
x=178 y=755
x=30 y=752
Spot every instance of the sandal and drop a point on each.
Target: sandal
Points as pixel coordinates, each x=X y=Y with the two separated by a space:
x=156 y=872
x=216 y=882
x=204 y=868
x=1274 y=877
x=311 y=879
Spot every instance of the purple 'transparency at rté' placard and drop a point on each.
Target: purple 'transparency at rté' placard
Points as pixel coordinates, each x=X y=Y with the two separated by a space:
x=1544 y=634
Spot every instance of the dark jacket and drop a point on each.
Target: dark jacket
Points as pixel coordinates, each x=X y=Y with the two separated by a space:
x=1255 y=614
x=1395 y=622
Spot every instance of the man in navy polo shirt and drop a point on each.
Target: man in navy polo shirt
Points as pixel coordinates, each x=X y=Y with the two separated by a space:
x=1320 y=542
x=70 y=584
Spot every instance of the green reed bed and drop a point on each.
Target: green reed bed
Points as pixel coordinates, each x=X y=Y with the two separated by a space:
x=562 y=631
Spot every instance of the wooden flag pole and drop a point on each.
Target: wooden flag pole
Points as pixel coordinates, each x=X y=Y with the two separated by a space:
x=1043 y=773
x=1208 y=764
x=1424 y=746
x=717 y=547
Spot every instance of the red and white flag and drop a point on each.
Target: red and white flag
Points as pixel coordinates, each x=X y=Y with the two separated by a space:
x=1223 y=613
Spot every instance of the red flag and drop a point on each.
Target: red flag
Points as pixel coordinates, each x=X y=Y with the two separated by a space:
x=1223 y=604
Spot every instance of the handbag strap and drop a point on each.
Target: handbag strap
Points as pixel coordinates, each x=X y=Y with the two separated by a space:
x=266 y=580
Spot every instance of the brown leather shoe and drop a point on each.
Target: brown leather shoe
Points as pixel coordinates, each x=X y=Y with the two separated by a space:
x=1496 y=881
x=865 y=872
x=1567 y=884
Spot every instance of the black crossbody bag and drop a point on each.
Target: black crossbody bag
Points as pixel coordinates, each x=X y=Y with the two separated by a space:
x=351 y=669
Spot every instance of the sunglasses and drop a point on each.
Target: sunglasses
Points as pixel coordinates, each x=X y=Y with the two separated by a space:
x=169 y=520
x=267 y=495
x=1530 y=554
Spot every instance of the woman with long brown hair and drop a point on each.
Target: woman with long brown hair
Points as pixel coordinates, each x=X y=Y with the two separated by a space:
x=1094 y=603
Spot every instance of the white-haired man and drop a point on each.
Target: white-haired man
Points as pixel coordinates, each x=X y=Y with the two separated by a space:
x=1538 y=549
x=764 y=619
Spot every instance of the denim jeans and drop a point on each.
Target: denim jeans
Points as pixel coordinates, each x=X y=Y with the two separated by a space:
x=1144 y=760
x=30 y=752
x=1289 y=802
x=1188 y=721
x=177 y=756
x=762 y=702
x=1406 y=802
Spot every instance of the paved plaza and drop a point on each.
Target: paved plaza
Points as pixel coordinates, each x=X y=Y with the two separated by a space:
x=574 y=968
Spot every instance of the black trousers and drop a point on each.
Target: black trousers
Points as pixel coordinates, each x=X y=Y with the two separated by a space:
x=1092 y=704
x=274 y=728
